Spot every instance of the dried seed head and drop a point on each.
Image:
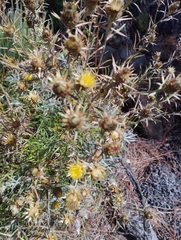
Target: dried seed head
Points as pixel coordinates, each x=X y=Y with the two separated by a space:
x=114 y=8
x=124 y=218
x=112 y=148
x=31 y=5
x=73 y=44
x=68 y=219
x=21 y=85
x=156 y=57
x=10 y=140
x=116 y=134
x=90 y=5
x=148 y=214
x=113 y=186
x=97 y=171
x=60 y=86
x=51 y=236
x=73 y=199
x=170 y=70
x=123 y=75
x=69 y=15
x=84 y=192
x=158 y=65
x=108 y=123
x=173 y=7
x=33 y=212
x=9 y=29
x=37 y=62
x=37 y=172
x=46 y=34
x=72 y=118
x=172 y=85
x=33 y=97
x=14 y=209
x=57 y=192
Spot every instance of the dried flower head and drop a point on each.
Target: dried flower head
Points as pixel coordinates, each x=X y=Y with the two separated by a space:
x=31 y=5
x=97 y=171
x=124 y=218
x=76 y=170
x=57 y=192
x=148 y=214
x=33 y=97
x=46 y=34
x=72 y=118
x=113 y=186
x=51 y=236
x=117 y=134
x=69 y=15
x=87 y=80
x=61 y=87
x=108 y=123
x=118 y=198
x=37 y=61
x=84 y=192
x=21 y=85
x=114 y=8
x=73 y=44
x=33 y=212
x=14 y=209
x=73 y=199
x=171 y=71
x=37 y=172
x=112 y=148
x=8 y=29
x=68 y=219
x=9 y=139
x=124 y=74
x=173 y=7
x=31 y=197
x=89 y=6
x=172 y=85
x=156 y=56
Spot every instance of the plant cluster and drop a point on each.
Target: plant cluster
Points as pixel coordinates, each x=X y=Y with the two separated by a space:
x=62 y=127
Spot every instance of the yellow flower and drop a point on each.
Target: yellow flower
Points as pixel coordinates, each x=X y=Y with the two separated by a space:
x=55 y=205
x=76 y=170
x=28 y=77
x=87 y=80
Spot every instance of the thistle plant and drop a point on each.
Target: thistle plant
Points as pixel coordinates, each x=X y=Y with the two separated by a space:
x=62 y=127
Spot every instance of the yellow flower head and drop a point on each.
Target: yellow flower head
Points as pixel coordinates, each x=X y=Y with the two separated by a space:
x=76 y=170
x=28 y=77
x=55 y=205
x=87 y=80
